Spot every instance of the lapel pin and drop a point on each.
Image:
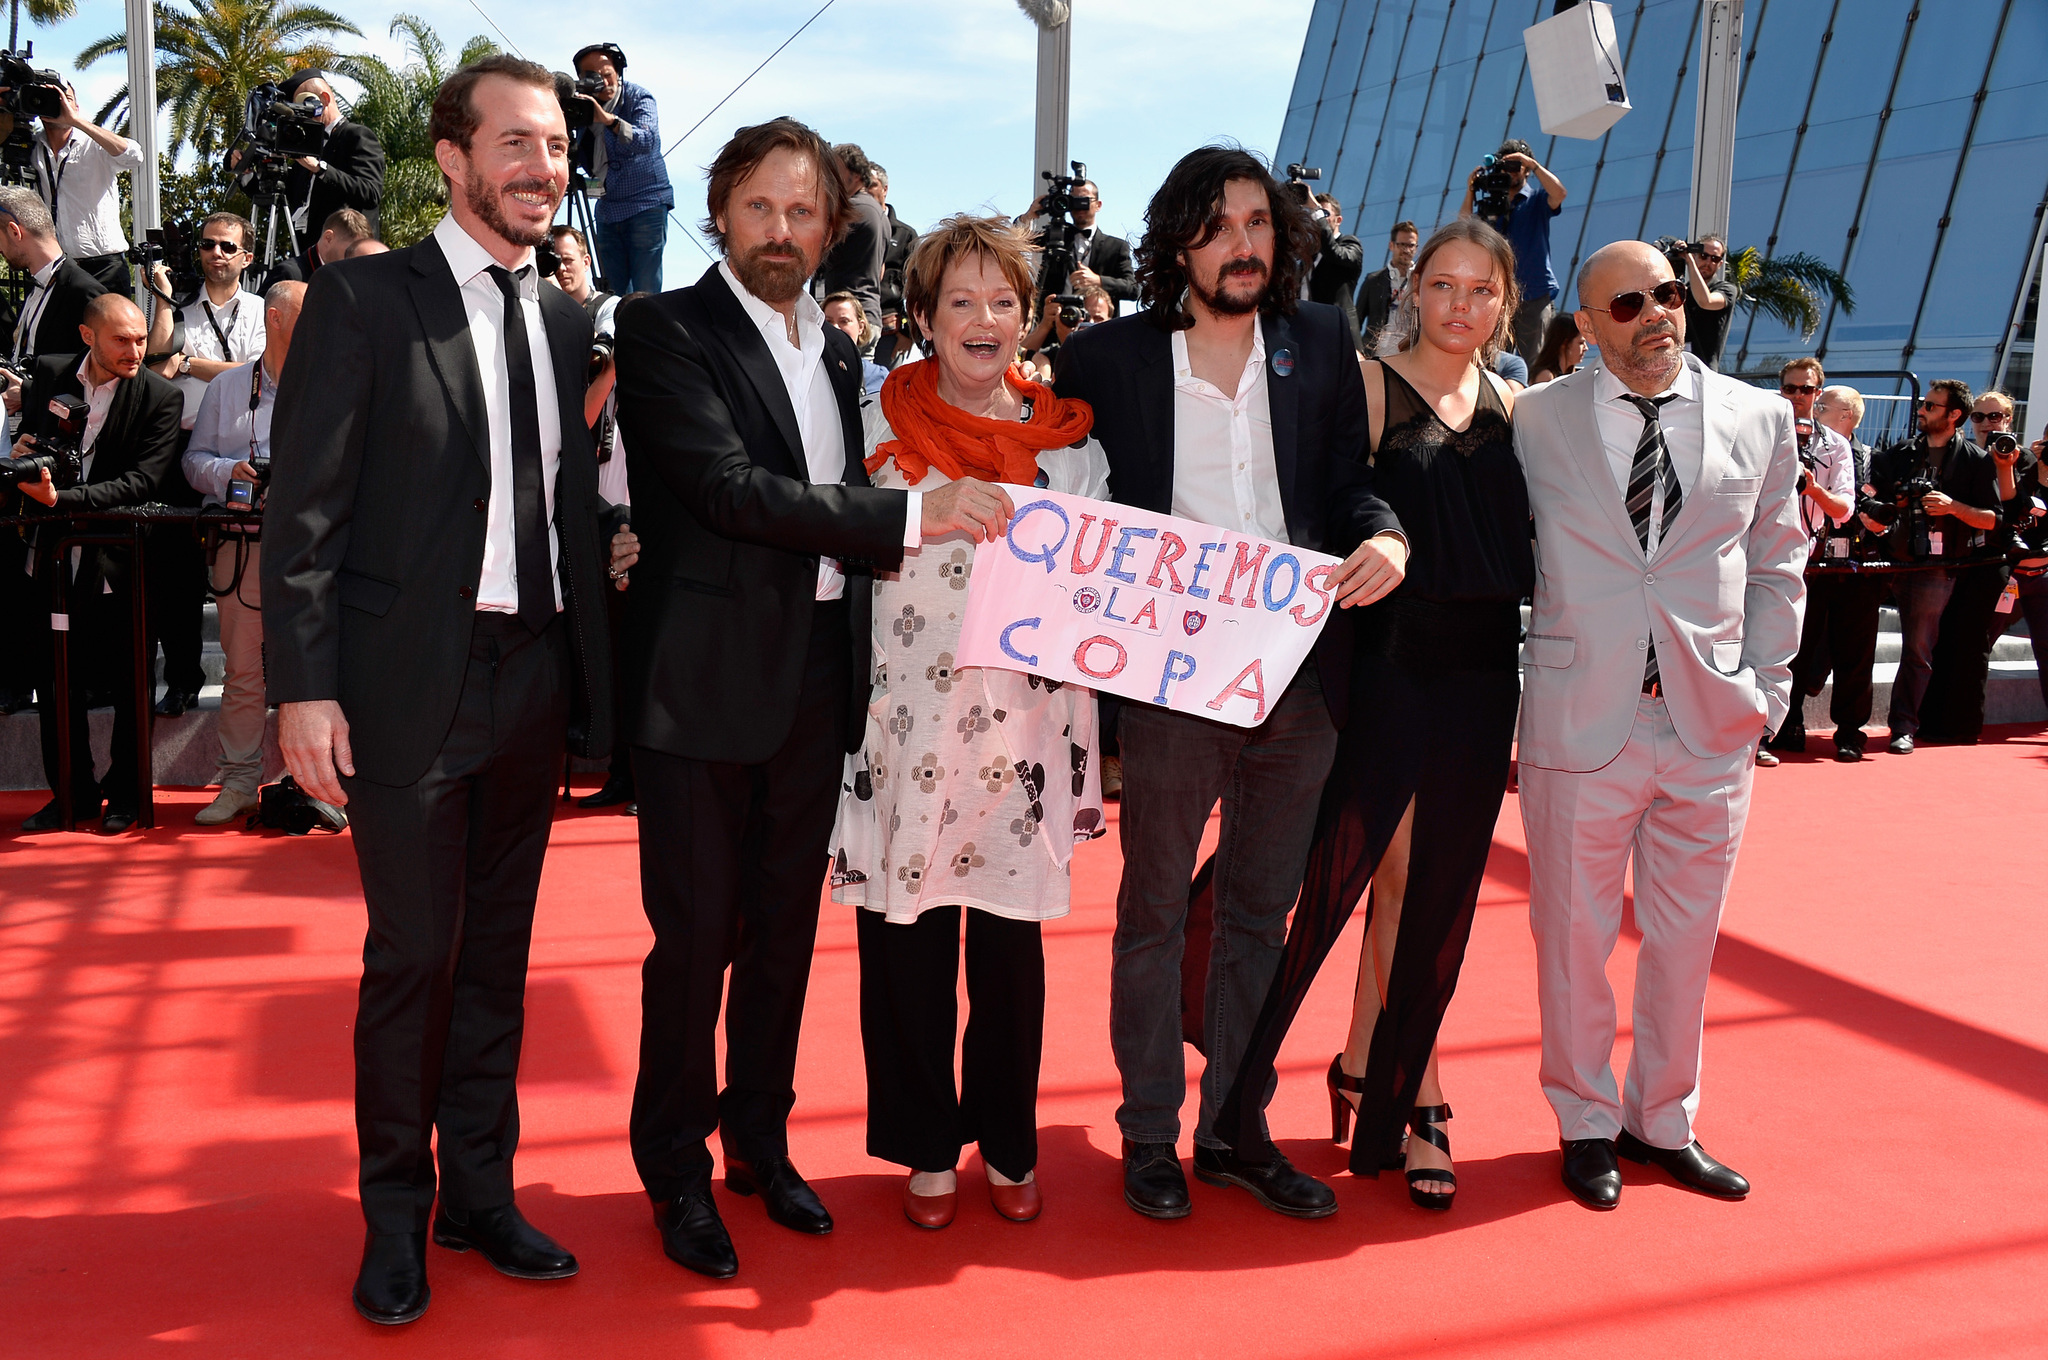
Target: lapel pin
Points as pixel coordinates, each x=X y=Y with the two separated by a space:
x=1283 y=362
x=842 y=365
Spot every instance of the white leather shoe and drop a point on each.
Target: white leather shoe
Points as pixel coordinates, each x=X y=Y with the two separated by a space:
x=225 y=807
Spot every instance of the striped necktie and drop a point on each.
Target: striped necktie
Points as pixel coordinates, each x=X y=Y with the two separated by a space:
x=1652 y=465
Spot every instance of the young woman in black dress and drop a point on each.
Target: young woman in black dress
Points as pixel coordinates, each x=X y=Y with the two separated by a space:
x=1422 y=765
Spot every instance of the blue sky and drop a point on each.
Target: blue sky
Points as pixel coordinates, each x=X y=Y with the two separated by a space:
x=939 y=91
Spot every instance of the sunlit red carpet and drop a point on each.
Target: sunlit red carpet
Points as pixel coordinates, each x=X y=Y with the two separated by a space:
x=176 y=1150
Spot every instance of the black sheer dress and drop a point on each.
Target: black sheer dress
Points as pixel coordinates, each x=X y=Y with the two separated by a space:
x=1435 y=688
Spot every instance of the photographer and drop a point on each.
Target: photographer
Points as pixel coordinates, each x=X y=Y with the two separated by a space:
x=340 y=232
x=857 y=263
x=1521 y=199
x=348 y=172
x=1382 y=286
x=127 y=446
x=1100 y=260
x=76 y=176
x=623 y=172
x=1710 y=299
x=59 y=290
x=1057 y=322
x=1340 y=259
x=2027 y=516
x=1827 y=498
x=902 y=236
x=1938 y=495
x=228 y=462
x=1851 y=600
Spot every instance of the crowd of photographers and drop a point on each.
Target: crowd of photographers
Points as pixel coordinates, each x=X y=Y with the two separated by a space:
x=113 y=407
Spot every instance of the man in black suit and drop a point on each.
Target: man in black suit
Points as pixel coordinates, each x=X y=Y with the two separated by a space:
x=348 y=172
x=902 y=236
x=1178 y=395
x=1382 y=286
x=747 y=667
x=1100 y=259
x=130 y=443
x=1339 y=259
x=435 y=631
x=48 y=323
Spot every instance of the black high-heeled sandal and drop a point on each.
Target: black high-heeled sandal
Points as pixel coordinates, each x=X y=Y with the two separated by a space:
x=1423 y=1124
x=1341 y=1110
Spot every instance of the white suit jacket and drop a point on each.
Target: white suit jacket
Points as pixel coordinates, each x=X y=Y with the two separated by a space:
x=1721 y=600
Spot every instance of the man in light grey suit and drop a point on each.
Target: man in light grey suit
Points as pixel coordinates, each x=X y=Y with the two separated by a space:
x=1669 y=587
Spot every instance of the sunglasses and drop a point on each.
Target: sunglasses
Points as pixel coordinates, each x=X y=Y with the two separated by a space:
x=1713 y=259
x=224 y=247
x=1626 y=307
x=1803 y=389
x=1930 y=404
x=1981 y=416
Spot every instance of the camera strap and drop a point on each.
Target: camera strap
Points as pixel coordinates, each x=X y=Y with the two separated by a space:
x=255 y=400
x=54 y=174
x=226 y=352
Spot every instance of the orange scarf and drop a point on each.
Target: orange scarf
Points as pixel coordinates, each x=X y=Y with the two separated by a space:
x=930 y=433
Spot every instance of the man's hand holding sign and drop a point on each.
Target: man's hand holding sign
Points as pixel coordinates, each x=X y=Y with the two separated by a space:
x=1157 y=608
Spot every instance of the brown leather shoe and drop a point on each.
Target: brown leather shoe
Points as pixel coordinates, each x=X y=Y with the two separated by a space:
x=1018 y=1203
x=929 y=1211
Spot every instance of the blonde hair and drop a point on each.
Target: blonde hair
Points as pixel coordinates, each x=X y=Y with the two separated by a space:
x=957 y=238
x=1998 y=398
x=867 y=327
x=1848 y=396
x=1404 y=327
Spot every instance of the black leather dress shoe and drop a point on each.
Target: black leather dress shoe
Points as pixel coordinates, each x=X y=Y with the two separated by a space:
x=1153 y=1182
x=47 y=818
x=176 y=703
x=512 y=1245
x=1275 y=1183
x=1591 y=1173
x=1690 y=1166
x=392 y=1285
x=790 y=1201
x=117 y=820
x=614 y=792
x=693 y=1235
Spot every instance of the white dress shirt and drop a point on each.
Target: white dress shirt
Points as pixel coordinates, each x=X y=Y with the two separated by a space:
x=1223 y=469
x=78 y=184
x=1834 y=469
x=241 y=321
x=1620 y=423
x=98 y=401
x=498 y=590
x=32 y=311
x=802 y=367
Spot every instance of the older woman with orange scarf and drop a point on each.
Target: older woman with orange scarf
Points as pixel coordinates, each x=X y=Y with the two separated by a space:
x=973 y=786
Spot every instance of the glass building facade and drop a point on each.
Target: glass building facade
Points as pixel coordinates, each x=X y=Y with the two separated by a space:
x=1903 y=142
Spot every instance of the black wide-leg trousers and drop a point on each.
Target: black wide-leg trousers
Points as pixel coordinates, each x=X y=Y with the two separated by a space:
x=451 y=865
x=909 y=1013
x=732 y=862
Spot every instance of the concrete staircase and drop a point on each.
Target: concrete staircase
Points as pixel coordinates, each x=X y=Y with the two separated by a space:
x=188 y=748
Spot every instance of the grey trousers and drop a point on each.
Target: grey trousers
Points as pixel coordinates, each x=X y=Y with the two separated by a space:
x=241 y=638
x=1532 y=318
x=1680 y=817
x=1176 y=767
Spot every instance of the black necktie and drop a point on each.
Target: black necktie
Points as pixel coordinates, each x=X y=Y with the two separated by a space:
x=1652 y=465
x=530 y=558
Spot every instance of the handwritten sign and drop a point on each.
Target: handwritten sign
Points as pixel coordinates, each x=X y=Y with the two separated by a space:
x=1169 y=611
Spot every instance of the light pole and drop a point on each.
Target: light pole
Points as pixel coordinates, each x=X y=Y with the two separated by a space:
x=1713 y=140
x=1055 y=49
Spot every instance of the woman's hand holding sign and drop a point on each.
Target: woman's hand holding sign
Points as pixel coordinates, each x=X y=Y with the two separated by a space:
x=1373 y=569
x=981 y=510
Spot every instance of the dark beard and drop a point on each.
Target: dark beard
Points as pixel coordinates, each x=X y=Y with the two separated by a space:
x=483 y=201
x=1221 y=303
x=1645 y=367
x=772 y=281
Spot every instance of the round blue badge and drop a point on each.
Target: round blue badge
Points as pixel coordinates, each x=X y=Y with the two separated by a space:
x=1283 y=362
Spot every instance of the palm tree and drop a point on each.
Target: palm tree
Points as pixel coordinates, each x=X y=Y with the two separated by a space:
x=1792 y=288
x=395 y=104
x=212 y=53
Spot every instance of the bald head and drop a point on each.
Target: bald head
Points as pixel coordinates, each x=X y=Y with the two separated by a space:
x=116 y=335
x=1644 y=350
x=281 y=303
x=369 y=245
x=1627 y=257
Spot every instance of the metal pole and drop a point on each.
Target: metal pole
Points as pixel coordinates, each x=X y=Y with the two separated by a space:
x=1055 y=48
x=142 y=123
x=2019 y=306
x=1713 y=134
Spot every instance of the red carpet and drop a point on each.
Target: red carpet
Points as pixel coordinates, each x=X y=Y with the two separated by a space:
x=176 y=1148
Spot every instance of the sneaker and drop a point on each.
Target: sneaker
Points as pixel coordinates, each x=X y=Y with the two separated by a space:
x=227 y=805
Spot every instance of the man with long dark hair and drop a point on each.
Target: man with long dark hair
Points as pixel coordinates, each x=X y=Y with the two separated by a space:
x=1231 y=402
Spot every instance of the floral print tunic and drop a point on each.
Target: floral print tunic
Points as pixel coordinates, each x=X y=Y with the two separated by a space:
x=973 y=786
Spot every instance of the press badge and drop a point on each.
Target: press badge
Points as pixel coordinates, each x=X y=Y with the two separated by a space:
x=1934 y=542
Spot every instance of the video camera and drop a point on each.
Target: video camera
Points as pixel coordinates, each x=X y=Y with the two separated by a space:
x=30 y=94
x=275 y=132
x=1493 y=191
x=1059 y=204
x=56 y=449
x=577 y=114
x=1676 y=251
x=174 y=244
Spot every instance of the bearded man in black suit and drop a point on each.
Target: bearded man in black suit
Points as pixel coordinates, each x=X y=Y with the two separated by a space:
x=435 y=632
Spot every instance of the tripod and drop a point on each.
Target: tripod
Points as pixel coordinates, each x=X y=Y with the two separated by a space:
x=577 y=201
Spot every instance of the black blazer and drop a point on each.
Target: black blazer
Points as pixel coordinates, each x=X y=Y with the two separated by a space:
x=374 y=525
x=57 y=328
x=1124 y=370
x=1376 y=299
x=136 y=450
x=354 y=178
x=1110 y=256
x=731 y=528
x=1335 y=277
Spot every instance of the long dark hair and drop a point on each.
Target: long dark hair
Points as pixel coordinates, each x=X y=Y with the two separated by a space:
x=1561 y=331
x=1183 y=215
